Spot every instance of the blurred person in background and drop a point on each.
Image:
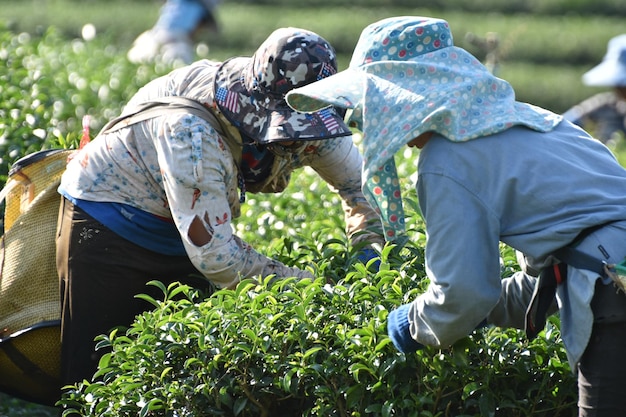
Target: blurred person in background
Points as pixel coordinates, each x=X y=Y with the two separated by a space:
x=154 y=198
x=604 y=114
x=491 y=170
x=171 y=40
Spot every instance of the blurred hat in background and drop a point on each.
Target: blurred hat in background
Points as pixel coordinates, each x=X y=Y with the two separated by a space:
x=611 y=72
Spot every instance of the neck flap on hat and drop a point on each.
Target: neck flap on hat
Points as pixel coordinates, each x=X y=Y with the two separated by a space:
x=447 y=91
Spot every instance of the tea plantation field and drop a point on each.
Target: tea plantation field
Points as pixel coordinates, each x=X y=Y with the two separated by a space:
x=545 y=46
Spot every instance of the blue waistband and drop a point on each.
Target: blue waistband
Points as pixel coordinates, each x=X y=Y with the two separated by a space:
x=138 y=226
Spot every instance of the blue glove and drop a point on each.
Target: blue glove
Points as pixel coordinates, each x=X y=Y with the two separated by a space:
x=398 y=330
x=366 y=254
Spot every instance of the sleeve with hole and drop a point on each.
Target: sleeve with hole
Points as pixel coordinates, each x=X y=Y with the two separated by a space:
x=200 y=181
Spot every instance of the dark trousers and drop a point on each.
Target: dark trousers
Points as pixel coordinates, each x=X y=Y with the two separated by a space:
x=100 y=273
x=602 y=369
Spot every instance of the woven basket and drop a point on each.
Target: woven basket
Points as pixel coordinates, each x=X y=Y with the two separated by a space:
x=29 y=285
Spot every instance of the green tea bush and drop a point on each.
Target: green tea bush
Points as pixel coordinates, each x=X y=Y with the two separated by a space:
x=318 y=348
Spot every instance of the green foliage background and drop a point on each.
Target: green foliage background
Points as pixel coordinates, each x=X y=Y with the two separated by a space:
x=545 y=45
x=50 y=78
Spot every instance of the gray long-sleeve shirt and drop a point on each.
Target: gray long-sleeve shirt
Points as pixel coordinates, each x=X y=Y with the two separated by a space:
x=532 y=191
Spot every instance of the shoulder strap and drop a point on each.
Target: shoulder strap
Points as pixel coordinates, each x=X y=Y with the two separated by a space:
x=170 y=104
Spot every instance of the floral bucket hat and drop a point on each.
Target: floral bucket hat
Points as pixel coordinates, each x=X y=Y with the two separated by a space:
x=611 y=72
x=406 y=78
x=250 y=91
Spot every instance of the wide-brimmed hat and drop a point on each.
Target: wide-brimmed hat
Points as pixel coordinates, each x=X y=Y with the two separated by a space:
x=611 y=72
x=406 y=78
x=388 y=40
x=250 y=91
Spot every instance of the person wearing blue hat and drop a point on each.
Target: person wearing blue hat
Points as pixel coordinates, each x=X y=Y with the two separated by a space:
x=604 y=114
x=491 y=170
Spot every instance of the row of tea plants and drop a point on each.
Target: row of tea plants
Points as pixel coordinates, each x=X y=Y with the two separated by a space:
x=319 y=349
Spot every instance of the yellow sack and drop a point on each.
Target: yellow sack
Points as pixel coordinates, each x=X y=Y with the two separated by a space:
x=30 y=307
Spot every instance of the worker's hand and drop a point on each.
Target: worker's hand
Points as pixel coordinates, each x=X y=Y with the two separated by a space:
x=291 y=275
x=398 y=330
x=303 y=274
x=368 y=253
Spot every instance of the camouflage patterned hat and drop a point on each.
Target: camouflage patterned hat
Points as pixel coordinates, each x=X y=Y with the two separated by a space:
x=250 y=92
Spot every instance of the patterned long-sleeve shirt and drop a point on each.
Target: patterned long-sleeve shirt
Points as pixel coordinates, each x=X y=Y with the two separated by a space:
x=177 y=167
